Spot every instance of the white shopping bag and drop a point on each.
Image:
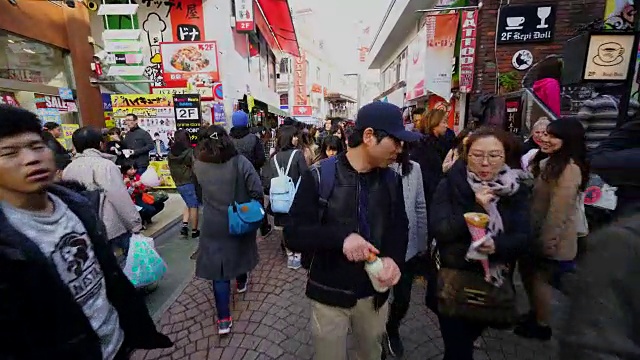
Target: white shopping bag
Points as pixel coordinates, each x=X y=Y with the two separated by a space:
x=144 y=265
x=150 y=178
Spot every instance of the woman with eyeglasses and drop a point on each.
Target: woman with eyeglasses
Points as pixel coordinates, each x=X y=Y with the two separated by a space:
x=561 y=174
x=480 y=181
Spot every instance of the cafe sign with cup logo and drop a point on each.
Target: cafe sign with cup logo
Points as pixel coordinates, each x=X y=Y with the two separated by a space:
x=608 y=57
x=519 y=24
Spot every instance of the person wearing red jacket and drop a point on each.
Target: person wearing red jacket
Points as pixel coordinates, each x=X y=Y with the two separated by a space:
x=136 y=188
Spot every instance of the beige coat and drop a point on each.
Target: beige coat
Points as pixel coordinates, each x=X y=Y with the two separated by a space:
x=95 y=169
x=554 y=211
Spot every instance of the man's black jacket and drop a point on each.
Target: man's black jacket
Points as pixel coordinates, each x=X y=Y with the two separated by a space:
x=333 y=279
x=39 y=318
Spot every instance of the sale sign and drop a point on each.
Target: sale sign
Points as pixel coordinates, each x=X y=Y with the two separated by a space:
x=244 y=15
x=54 y=102
x=188 y=114
x=468 y=49
x=300 y=80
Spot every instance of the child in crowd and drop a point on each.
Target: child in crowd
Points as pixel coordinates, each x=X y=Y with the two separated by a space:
x=137 y=190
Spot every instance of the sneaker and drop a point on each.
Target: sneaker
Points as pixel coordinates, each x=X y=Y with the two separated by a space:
x=394 y=345
x=195 y=234
x=533 y=330
x=242 y=287
x=184 y=231
x=290 y=261
x=224 y=326
x=297 y=262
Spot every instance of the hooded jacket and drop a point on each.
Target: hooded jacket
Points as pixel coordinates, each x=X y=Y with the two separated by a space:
x=248 y=145
x=39 y=317
x=97 y=170
x=548 y=90
x=181 y=165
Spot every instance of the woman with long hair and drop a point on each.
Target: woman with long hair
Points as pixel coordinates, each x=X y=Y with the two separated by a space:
x=180 y=162
x=338 y=131
x=308 y=147
x=331 y=146
x=226 y=177
x=559 y=182
x=482 y=183
x=287 y=151
x=457 y=149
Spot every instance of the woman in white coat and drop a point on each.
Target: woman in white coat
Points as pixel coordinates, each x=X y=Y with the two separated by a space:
x=416 y=208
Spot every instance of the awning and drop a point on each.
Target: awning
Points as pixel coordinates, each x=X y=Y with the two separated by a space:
x=278 y=16
x=274 y=110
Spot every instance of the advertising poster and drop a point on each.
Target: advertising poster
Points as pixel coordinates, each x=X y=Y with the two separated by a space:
x=219 y=117
x=162 y=169
x=468 y=49
x=442 y=31
x=54 y=102
x=49 y=115
x=108 y=111
x=67 y=133
x=416 y=65
x=188 y=114
x=193 y=63
x=618 y=14
x=155 y=113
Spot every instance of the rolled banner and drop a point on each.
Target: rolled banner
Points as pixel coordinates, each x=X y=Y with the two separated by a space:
x=477 y=224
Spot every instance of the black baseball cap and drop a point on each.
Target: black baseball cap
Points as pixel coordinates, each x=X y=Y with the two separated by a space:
x=386 y=117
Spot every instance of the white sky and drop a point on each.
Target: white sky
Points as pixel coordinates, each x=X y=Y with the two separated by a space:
x=338 y=22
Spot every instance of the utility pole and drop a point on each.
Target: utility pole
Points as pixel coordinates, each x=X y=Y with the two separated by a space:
x=623 y=113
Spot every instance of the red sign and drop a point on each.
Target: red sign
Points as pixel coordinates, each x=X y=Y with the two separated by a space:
x=53 y=102
x=316 y=88
x=261 y=24
x=8 y=98
x=194 y=63
x=244 y=15
x=302 y=110
x=468 y=49
x=300 y=80
x=188 y=21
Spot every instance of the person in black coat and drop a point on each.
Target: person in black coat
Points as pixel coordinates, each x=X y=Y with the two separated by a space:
x=480 y=182
x=51 y=132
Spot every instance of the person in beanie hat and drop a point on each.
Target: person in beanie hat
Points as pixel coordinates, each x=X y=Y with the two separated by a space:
x=245 y=142
x=362 y=216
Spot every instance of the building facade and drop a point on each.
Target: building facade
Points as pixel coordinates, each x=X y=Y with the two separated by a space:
x=46 y=53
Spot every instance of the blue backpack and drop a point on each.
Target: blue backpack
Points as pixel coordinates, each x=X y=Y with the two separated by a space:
x=282 y=190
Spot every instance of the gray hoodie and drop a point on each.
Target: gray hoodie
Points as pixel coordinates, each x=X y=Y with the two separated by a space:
x=94 y=170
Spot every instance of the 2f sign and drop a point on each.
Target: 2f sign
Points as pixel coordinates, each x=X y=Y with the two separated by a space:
x=188 y=114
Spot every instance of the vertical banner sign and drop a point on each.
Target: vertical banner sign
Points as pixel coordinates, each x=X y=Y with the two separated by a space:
x=219 y=117
x=300 y=107
x=442 y=31
x=244 y=15
x=416 y=53
x=188 y=21
x=188 y=114
x=468 y=49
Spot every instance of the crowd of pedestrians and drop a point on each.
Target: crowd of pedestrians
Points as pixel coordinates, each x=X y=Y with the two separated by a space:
x=364 y=208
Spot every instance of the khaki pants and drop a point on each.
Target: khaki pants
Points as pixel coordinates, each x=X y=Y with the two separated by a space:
x=330 y=326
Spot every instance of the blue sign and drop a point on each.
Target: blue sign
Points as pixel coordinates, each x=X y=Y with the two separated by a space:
x=219 y=117
x=65 y=93
x=284 y=107
x=49 y=115
x=106 y=103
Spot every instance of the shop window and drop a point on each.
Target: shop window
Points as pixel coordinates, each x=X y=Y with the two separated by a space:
x=272 y=71
x=284 y=99
x=31 y=61
x=285 y=66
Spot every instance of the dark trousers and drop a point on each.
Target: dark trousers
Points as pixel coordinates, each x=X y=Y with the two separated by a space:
x=458 y=336
x=148 y=210
x=222 y=295
x=402 y=296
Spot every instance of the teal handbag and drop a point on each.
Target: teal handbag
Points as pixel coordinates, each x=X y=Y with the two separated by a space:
x=245 y=217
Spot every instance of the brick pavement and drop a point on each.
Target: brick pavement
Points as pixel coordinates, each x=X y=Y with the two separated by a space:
x=271 y=322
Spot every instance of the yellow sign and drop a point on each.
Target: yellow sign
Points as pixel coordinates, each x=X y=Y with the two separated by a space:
x=67 y=133
x=141 y=101
x=162 y=169
x=203 y=91
x=250 y=103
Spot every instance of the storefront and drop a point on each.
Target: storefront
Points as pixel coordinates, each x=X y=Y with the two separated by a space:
x=45 y=68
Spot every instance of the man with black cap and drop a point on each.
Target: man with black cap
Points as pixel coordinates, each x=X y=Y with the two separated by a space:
x=362 y=213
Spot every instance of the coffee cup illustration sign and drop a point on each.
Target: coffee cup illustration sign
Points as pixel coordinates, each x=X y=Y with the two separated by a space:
x=515 y=23
x=609 y=54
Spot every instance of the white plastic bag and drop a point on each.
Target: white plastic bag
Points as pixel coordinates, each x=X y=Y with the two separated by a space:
x=144 y=265
x=149 y=178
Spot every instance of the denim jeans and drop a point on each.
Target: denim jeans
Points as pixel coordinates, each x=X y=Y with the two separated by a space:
x=222 y=295
x=120 y=247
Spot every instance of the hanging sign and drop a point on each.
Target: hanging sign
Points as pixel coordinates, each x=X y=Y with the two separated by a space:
x=244 y=16
x=49 y=115
x=194 y=63
x=219 y=117
x=205 y=92
x=416 y=65
x=302 y=110
x=188 y=114
x=526 y=24
x=300 y=80
x=522 y=60
x=442 y=31
x=608 y=57
x=187 y=21
x=54 y=102
x=468 y=49
x=65 y=93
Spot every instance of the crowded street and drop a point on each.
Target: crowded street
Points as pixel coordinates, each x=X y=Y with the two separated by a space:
x=319 y=180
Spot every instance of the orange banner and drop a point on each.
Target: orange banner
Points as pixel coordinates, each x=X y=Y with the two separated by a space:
x=300 y=80
x=188 y=21
x=442 y=31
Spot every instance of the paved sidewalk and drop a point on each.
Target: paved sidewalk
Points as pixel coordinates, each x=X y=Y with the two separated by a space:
x=271 y=322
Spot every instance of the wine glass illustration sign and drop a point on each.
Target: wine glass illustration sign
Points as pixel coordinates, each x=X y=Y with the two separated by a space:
x=543 y=14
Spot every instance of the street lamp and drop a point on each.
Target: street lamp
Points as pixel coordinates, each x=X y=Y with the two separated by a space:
x=358 y=88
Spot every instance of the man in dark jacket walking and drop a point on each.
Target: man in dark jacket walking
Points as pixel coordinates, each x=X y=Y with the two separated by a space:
x=364 y=215
x=51 y=133
x=138 y=144
x=246 y=143
x=62 y=293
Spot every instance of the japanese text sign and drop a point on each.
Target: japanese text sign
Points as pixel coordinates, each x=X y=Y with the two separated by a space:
x=190 y=63
x=468 y=49
x=244 y=15
x=188 y=21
